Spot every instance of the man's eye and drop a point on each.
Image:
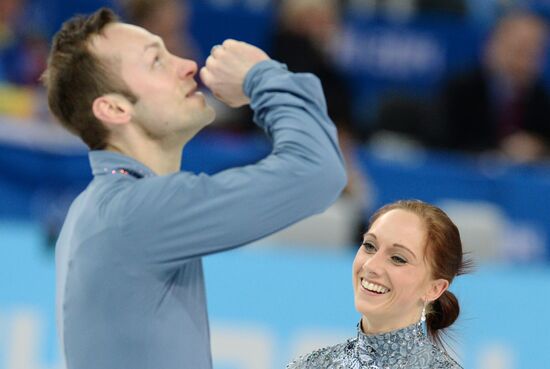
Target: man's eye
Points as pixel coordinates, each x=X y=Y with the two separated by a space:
x=157 y=61
x=398 y=260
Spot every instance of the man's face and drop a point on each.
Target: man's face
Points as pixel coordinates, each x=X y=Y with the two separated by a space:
x=519 y=50
x=168 y=103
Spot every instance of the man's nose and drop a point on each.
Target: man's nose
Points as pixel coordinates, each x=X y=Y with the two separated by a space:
x=186 y=68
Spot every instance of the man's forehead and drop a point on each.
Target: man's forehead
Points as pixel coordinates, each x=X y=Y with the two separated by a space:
x=117 y=37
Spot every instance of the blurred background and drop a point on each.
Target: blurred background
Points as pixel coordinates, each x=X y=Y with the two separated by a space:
x=440 y=100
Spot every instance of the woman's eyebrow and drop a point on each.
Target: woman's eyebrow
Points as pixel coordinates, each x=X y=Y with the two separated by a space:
x=372 y=235
x=404 y=248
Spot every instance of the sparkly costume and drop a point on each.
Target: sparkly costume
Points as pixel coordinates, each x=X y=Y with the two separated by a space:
x=406 y=348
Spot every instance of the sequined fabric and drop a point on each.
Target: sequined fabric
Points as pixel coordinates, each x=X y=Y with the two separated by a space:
x=406 y=348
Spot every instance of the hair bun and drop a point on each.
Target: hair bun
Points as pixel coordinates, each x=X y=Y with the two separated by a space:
x=445 y=311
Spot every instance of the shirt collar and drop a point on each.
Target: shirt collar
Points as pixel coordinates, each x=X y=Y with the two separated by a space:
x=108 y=162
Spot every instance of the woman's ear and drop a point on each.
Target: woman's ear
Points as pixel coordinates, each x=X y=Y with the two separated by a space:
x=112 y=109
x=436 y=289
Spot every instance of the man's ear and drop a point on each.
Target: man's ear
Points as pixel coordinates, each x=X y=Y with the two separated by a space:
x=112 y=109
x=437 y=287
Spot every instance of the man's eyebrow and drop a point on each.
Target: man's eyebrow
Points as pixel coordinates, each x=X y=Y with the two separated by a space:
x=155 y=44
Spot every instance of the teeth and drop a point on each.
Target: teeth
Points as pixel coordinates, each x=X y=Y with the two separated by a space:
x=373 y=287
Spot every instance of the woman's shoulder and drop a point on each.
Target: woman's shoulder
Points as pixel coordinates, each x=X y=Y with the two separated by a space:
x=328 y=357
x=437 y=357
x=445 y=361
x=342 y=356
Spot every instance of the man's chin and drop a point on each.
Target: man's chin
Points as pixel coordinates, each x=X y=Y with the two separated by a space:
x=204 y=120
x=211 y=115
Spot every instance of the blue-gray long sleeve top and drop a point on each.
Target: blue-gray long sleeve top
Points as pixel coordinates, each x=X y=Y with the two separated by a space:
x=130 y=286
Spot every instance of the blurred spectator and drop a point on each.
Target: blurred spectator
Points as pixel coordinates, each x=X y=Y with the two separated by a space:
x=502 y=105
x=403 y=9
x=23 y=45
x=168 y=19
x=23 y=54
x=306 y=32
x=9 y=13
x=304 y=40
x=483 y=12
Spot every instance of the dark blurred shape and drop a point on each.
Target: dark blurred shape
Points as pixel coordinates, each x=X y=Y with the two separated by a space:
x=451 y=7
x=407 y=117
x=502 y=104
x=168 y=19
x=303 y=39
x=405 y=9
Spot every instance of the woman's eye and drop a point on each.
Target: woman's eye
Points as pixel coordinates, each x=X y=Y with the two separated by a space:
x=398 y=260
x=369 y=247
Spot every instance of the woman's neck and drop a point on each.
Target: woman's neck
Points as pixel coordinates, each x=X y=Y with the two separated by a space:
x=375 y=326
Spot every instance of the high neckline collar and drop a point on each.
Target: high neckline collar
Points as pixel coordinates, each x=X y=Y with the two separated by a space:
x=396 y=345
x=109 y=162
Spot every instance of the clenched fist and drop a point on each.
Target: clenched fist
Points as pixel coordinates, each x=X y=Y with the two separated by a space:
x=226 y=69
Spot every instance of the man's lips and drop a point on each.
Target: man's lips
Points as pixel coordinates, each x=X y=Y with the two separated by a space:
x=192 y=91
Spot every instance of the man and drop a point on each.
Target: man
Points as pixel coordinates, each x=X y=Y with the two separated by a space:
x=502 y=105
x=129 y=274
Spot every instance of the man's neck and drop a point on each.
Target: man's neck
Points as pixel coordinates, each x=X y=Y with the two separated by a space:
x=160 y=159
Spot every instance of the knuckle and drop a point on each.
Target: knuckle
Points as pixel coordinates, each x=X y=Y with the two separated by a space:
x=206 y=77
x=229 y=42
x=216 y=50
x=210 y=62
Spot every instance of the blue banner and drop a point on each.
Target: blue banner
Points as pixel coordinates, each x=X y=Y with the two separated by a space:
x=268 y=305
x=40 y=185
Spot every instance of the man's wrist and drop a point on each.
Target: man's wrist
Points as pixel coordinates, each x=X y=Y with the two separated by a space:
x=251 y=80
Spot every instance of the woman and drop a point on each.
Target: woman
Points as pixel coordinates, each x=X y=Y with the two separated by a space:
x=401 y=274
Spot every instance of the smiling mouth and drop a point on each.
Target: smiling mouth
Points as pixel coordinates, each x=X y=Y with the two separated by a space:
x=373 y=287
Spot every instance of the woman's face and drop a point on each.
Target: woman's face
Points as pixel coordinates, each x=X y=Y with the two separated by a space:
x=391 y=278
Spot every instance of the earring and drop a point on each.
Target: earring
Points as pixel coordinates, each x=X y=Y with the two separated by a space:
x=423 y=315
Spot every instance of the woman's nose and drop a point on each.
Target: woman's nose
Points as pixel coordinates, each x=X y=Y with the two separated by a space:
x=373 y=264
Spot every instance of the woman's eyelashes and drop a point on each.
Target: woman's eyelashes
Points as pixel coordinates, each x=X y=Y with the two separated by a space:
x=398 y=260
x=370 y=248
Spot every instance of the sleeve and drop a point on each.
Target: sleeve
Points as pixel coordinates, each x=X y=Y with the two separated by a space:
x=328 y=357
x=170 y=219
x=299 y=363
